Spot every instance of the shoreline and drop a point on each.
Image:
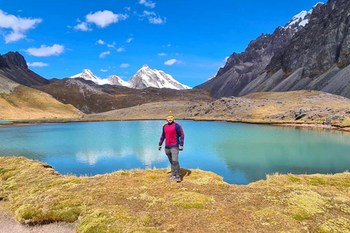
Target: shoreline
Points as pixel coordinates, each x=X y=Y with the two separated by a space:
x=142 y=200
x=25 y=122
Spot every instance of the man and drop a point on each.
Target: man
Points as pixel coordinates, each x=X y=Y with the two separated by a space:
x=174 y=141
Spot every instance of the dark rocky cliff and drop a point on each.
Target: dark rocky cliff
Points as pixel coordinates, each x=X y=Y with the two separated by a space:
x=315 y=56
x=13 y=66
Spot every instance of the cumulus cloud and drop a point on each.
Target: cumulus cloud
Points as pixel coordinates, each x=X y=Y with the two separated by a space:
x=124 y=65
x=82 y=27
x=148 y=4
x=15 y=28
x=101 y=19
x=104 y=18
x=104 y=54
x=170 y=62
x=101 y=42
x=46 y=51
x=153 y=18
x=129 y=40
x=37 y=64
x=121 y=49
x=111 y=45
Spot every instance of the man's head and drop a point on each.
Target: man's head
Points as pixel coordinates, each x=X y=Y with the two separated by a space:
x=170 y=118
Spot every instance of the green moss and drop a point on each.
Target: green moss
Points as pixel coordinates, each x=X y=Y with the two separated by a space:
x=304 y=204
x=95 y=222
x=301 y=215
x=317 y=181
x=29 y=212
x=117 y=219
x=339 y=225
x=191 y=200
x=293 y=178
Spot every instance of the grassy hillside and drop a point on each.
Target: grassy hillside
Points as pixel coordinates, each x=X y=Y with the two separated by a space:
x=145 y=201
x=27 y=103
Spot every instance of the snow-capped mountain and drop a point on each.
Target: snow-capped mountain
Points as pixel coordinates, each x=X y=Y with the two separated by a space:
x=299 y=21
x=88 y=75
x=147 y=77
x=117 y=81
x=144 y=77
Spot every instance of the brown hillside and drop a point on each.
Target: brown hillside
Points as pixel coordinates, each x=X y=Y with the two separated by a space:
x=27 y=103
x=310 y=107
x=92 y=98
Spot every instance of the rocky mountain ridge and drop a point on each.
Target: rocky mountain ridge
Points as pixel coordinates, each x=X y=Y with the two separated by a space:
x=316 y=56
x=14 y=67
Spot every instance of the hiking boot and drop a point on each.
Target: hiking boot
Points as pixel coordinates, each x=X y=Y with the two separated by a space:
x=171 y=178
x=178 y=179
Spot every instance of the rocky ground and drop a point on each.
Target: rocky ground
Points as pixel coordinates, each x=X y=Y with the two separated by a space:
x=297 y=107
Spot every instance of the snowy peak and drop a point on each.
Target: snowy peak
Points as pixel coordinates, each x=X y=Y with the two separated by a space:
x=147 y=77
x=144 y=77
x=300 y=20
x=117 y=81
x=88 y=75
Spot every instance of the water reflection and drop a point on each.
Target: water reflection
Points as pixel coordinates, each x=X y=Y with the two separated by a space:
x=241 y=153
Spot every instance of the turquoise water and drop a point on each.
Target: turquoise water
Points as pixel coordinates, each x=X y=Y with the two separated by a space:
x=241 y=153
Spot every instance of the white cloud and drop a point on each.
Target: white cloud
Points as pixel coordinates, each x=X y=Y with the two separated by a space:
x=104 y=54
x=104 y=70
x=146 y=3
x=153 y=18
x=111 y=45
x=124 y=65
x=119 y=50
x=101 y=42
x=37 y=64
x=162 y=54
x=16 y=27
x=129 y=40
x=104 y=18
x=82 y=27
x=170 y=62
x=46 y=51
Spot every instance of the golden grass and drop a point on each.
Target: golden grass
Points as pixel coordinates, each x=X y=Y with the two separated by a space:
x=145 y=201
x=29 y=103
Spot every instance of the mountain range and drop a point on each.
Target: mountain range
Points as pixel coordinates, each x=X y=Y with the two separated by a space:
x=143 y=78
x=311 y=52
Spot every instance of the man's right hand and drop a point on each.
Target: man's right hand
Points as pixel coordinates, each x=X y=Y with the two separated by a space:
x=160 y=148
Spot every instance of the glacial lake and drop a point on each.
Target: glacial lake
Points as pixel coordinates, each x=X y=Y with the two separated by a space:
x=240 y=153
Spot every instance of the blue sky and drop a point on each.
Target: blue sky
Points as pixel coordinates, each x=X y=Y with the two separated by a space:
x=189 y=39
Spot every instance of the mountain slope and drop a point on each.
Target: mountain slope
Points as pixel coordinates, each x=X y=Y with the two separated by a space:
x=90 y=97
x=242 y=69
x=316 y=56
x=27 y=103
x=13 y=66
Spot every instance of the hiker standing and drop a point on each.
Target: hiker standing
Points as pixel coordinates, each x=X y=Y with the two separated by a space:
x=174 y=140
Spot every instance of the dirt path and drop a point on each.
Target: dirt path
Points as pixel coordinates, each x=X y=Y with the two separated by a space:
x=9 y=225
